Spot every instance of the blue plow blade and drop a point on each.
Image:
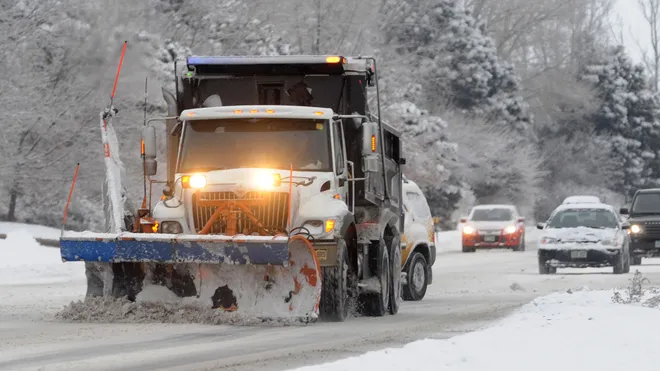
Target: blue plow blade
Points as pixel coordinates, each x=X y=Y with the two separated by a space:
x=170 y=248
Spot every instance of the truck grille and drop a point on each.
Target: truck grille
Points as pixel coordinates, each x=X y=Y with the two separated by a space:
x=652 y=229
x=273 y=214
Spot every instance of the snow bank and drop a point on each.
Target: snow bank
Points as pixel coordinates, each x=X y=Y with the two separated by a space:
x=582 y=330
x=38 y=231
x=23 y=261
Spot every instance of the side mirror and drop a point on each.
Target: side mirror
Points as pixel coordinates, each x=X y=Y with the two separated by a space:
x=149 y=142
x=463 y=220
x=624 y=211
x=540 y=225
x=436 y=220
x=150 y=167
x=149 y=150
x=625 y=225
x=402 y=161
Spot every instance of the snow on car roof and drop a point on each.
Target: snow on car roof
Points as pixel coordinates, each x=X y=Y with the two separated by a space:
x=493 y=206
x=581 y=199
x=585 y=205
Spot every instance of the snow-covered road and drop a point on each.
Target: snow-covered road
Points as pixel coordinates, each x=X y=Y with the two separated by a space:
x=469 y=291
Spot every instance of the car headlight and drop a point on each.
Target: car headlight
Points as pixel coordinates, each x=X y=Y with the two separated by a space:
x=608 y=242
x=468 y=230
x=171 y=227
x=510 y=229
x=635 y=229
x=548 y=240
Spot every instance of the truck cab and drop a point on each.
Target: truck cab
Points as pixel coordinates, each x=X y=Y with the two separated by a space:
x=273 y=146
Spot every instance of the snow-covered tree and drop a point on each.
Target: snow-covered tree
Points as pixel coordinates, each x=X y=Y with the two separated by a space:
x=229 y=27
x=495 y=163
x=630 y=115
x=458 y=60
x=431 y=157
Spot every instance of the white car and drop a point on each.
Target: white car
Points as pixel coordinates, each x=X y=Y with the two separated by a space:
x=493 y=226
x=417 y=243
x=584 y=235
x=581 y=200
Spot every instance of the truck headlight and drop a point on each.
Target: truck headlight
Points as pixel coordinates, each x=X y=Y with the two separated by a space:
x=196 y=181
x=267 y=180
x=635 y=229
x=171 y=227
x=467 y=230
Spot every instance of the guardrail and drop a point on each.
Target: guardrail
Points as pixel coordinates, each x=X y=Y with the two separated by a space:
x=48 y=242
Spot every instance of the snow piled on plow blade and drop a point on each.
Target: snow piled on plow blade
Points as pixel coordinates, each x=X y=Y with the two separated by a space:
x=237 y=280
x=170 y=248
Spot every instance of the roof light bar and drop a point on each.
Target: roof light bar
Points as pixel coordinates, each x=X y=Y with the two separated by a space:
x=257 y=60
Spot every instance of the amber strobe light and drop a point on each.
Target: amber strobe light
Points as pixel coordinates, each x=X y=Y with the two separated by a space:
x=373 y=143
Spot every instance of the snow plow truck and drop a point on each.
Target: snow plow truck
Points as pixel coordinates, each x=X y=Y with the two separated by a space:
x=283 y=196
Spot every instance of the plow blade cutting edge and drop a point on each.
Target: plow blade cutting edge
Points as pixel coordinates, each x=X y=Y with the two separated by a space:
x=254 y=276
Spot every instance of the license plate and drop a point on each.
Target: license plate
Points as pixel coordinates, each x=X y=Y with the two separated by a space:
x=322 y=254
x=489 y=239
x=578 y=254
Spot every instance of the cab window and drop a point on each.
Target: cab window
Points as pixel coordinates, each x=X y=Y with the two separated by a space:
x=339 y=148
x=418 y=204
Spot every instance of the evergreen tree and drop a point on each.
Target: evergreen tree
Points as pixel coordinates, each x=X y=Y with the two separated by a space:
x=458 y=60
x=431 y=157
x=629 y=114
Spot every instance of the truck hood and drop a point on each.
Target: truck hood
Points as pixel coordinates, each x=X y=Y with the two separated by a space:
x=580 y=235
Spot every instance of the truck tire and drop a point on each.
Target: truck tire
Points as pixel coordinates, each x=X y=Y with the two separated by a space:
x=417 y=281
x=636 y=260
x=335 y=291
x=469 y=249
x=395 y=276
x=377 y=304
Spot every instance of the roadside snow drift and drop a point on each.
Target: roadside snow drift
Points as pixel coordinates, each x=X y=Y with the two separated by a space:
x=583 y=330
x=24 y=262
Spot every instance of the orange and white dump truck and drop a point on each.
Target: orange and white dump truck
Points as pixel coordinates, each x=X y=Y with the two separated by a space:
x=283 y=195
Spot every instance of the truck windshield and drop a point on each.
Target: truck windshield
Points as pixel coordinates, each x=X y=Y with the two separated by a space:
x=646 y=203
x=273 y=143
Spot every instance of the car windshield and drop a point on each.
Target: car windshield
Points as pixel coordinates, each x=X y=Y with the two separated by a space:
x=273 y=143
x=492 y=215
x=590 y=218
x=646 y=203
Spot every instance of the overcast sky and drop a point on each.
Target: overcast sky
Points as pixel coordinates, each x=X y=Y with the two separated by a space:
x=635 y=30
